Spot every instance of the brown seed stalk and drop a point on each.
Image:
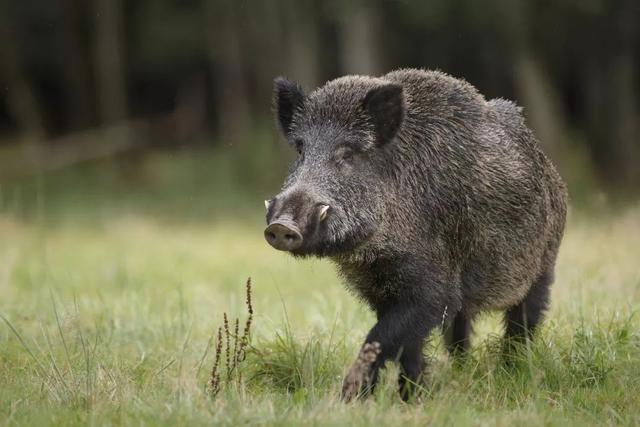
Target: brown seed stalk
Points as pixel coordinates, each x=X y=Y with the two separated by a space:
x=214 y=381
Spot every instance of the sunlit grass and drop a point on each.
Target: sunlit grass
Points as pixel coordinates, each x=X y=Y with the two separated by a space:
x=110 y=321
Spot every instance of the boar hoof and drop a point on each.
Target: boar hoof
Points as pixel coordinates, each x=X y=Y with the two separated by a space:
x=358 y=379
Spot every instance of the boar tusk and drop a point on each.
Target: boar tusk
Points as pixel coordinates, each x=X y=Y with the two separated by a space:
x=267 y=203
x=323 y=212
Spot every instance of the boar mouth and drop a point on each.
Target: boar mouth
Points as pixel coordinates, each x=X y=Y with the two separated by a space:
x=323 y=246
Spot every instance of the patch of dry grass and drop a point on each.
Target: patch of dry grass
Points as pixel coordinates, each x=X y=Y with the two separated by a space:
x=115 y=323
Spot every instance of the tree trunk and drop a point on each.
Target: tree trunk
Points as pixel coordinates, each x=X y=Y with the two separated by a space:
x=611 y=88
x=110 y=80
x=543 y=107
x=75 y=66
x=621 y=165
x=303 y=61
x=227 y=67
x=21 y=99
x=358 y=44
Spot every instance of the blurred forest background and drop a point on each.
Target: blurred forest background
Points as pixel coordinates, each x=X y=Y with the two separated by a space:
x=90 y=85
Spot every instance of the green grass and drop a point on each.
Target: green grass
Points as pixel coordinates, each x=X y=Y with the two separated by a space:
x=110 y=305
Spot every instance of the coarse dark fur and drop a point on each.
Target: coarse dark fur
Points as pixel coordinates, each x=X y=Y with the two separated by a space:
x=442 y=205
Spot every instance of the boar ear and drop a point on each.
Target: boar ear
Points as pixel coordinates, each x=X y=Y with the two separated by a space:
x=385 y=106
x=287 y=97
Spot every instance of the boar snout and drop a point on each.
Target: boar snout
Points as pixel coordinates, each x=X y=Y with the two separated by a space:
x=294 y=218
x=283 y=235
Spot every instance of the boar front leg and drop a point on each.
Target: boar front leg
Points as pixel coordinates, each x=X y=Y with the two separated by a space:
x=399 y=335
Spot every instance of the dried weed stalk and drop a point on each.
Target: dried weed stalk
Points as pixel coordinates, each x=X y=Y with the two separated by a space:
x=234 y=349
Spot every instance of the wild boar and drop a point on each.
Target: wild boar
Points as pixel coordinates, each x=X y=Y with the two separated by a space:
x=434 y=203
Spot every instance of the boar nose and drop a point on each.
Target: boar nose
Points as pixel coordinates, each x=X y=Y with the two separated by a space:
x=283 y=235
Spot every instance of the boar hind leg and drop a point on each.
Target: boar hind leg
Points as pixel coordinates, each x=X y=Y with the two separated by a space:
x=456 y=335
x=521 y=320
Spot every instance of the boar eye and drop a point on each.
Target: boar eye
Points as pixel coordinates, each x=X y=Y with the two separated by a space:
x=299 y=145
x=344 y=154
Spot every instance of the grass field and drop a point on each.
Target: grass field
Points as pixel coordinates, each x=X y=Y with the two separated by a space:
x=112 y=321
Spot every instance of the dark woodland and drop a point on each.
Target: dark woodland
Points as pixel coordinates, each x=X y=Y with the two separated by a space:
x=165 y=74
